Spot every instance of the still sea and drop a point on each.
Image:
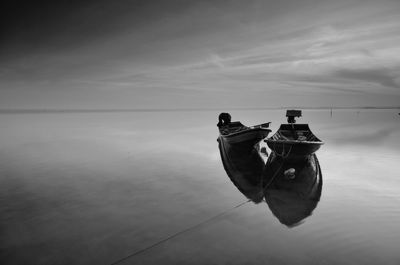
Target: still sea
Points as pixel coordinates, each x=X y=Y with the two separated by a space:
x=150 y=188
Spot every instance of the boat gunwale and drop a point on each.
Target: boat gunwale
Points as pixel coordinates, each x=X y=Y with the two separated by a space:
x=248 y=129
x=293 y=142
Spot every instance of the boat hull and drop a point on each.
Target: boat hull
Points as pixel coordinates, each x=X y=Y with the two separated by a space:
x=244 y=166
x=292 y=148
x=292 y=200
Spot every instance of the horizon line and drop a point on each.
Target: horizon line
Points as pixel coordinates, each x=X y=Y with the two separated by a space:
x=111 y=110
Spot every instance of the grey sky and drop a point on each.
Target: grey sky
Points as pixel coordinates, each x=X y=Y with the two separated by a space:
x=149 y=54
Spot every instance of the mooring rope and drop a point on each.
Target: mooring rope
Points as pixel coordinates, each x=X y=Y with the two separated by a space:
x=274 y=176
x=283 y=155
x=179 y=233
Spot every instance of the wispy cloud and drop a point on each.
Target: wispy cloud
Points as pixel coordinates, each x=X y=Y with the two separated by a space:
x=342 y=51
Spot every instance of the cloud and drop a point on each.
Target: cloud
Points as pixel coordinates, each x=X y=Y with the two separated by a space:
x=217 y=60
x=381 y=76
x=248 y=49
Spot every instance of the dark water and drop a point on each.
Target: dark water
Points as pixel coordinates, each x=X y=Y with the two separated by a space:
x=93 y=188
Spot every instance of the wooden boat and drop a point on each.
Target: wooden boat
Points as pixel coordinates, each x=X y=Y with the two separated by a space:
x=293 y=139
x=236 y=132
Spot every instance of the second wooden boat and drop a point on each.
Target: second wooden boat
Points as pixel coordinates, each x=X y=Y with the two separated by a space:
x=294 y=139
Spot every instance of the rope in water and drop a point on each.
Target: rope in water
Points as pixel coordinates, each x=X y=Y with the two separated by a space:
x=283 y=155
x=273 y=177
x=179 y=233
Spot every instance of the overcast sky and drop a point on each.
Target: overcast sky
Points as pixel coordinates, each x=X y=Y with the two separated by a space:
x=183 y=54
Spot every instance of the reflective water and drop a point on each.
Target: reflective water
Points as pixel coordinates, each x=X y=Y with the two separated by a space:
x=94 y=188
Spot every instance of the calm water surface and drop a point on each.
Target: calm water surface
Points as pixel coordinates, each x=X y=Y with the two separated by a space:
x=94 y=188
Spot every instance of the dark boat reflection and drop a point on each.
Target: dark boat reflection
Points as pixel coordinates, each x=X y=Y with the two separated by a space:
x=244 y=166
x=293 y=187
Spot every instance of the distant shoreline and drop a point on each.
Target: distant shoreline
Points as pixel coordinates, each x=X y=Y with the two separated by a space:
x=27 y=111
